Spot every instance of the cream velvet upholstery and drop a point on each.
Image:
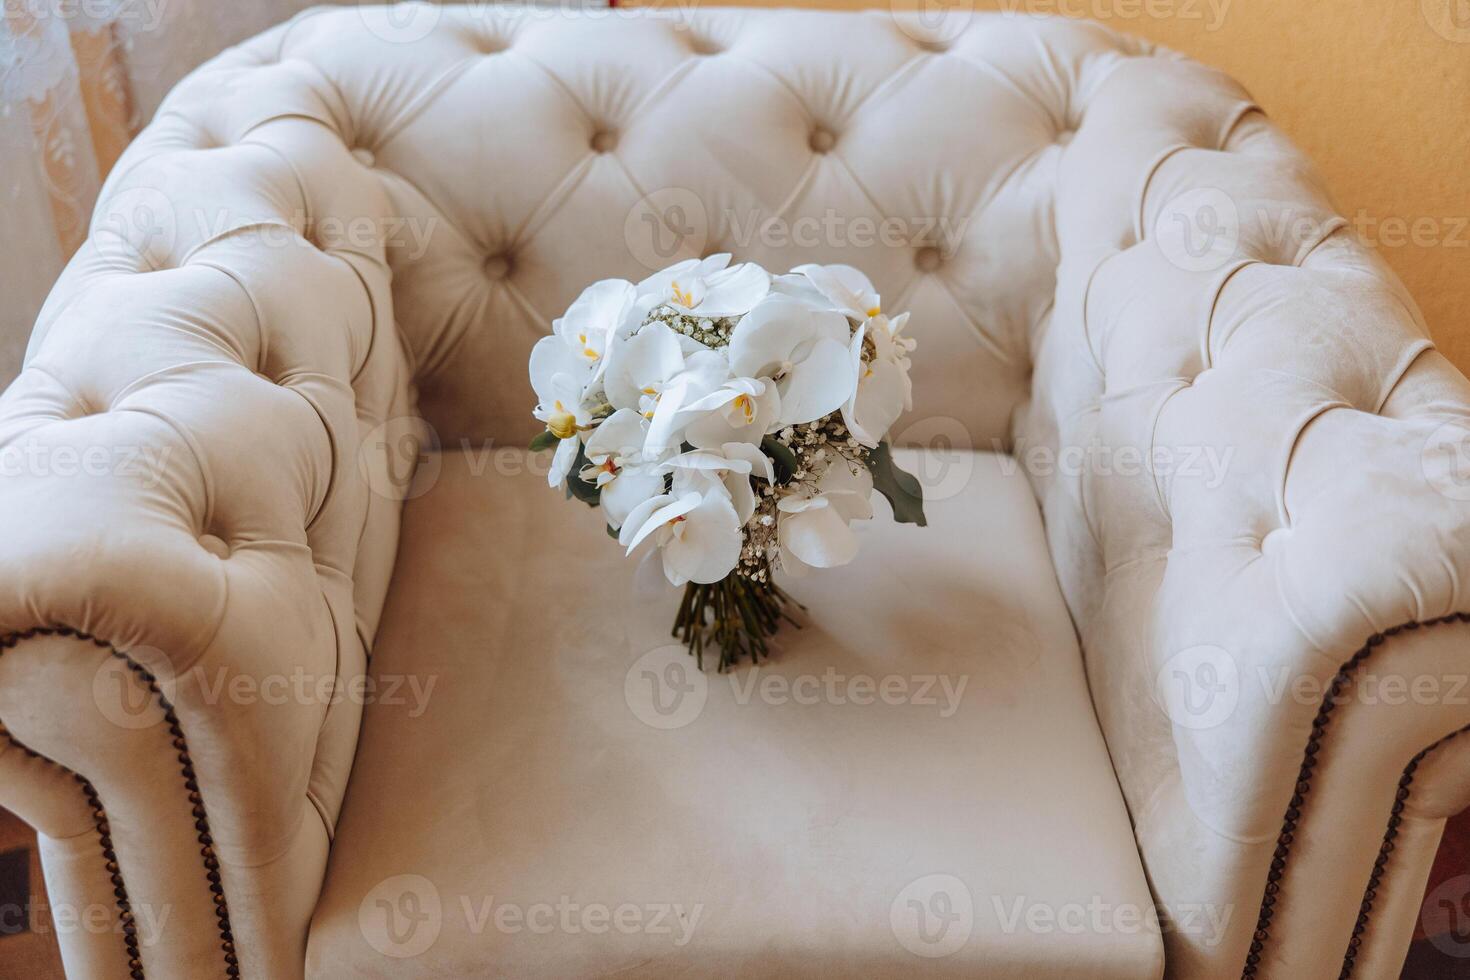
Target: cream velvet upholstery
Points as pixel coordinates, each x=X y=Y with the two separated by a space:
x=930 y=719
x=346 y=222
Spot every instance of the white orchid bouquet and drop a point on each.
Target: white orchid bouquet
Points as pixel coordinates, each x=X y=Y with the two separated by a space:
x=736 y=421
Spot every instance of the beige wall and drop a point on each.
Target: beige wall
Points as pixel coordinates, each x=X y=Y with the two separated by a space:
x=1376 y=91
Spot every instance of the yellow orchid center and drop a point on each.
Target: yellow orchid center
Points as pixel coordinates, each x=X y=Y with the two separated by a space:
x=684 y=297
x=745 y=405
x=586 y=351
x=875 y=310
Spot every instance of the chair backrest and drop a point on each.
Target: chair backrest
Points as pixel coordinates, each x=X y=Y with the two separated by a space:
x=507 y=157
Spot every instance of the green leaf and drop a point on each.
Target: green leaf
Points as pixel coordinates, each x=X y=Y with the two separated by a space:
x=784 y=458
x=589 y=493
x=901 y=489
x=544 y=440
x=613 y=532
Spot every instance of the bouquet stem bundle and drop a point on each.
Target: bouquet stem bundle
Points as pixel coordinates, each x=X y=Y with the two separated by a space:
x=737 y=615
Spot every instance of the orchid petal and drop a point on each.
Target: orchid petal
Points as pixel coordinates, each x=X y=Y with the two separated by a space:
x=734 y=292
x=631 y=487
x=562 y=461
x=621 y=434
x=817 y=536
x=819 y=385
x=709 y=547
x=660 y=516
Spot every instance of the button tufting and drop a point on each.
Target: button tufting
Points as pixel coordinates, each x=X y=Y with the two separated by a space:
x=822 y=140
x=214 y=545
x=497 y=267
x=927 y=259
x=703 y=45
x=604 y=141
x=934 y=45
x=1065 y=136
x=364 y=156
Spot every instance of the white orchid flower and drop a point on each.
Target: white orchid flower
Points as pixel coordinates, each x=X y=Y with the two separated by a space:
x=617 y=465
x=730 y=467
x=846 y=288
x=804 y=351
x=813 y=526
x=591 y=322
x=706 y=288
x=697 y=534
x=884 y=391
x=800 y=288
x=740 y=410
x=560 y=380
x=650 y=373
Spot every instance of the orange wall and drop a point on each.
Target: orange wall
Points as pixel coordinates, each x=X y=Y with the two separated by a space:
x=1376 y=91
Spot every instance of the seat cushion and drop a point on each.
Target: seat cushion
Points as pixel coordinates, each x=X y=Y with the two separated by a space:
x=545 y=787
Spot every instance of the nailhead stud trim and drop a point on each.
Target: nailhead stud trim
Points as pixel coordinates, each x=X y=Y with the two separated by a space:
x=191 y=786
x=1303 y=789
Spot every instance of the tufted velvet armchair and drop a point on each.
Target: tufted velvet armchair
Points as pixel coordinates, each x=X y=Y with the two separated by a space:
x=305 y=672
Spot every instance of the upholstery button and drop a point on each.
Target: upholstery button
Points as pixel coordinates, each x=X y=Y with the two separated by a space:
x=497 y=267
x=214 y=545
x=927 y=259
x=604 y=141
x=703 y=45
x=1065 y=136
x=363 y=156
x=934 y=45
x=1273 y=540
x=822 y=140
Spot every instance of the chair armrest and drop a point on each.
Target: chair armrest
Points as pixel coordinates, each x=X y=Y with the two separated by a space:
x=197 y=528
x=1263 y=533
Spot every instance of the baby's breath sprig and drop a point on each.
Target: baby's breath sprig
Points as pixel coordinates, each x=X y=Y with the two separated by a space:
x=712 y=332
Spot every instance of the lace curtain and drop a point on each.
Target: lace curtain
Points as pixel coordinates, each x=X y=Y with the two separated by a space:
x=78 y=78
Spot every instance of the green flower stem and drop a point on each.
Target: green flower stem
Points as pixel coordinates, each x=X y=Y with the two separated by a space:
x=737 y=615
